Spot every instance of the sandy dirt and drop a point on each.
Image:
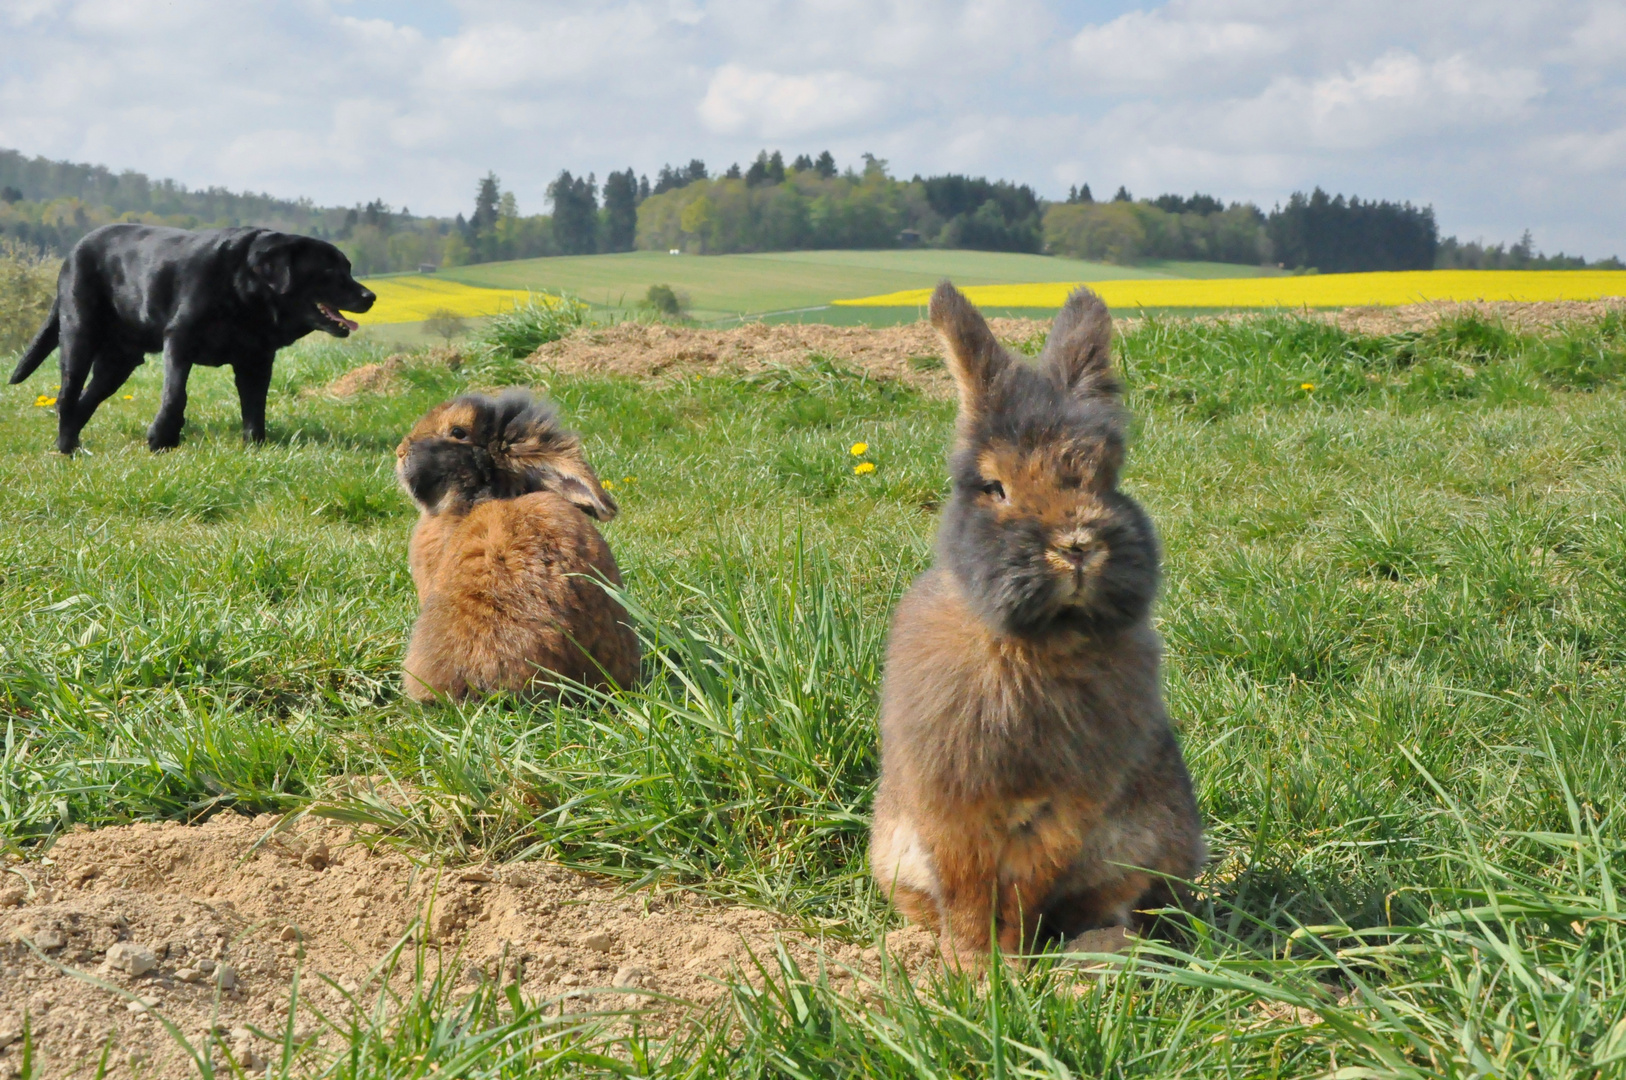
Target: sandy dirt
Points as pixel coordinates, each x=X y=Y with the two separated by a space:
x=910 y=353
x=207 y=924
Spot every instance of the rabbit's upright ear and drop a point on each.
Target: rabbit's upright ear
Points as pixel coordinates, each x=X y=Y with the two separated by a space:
x=1078 y=353
x=974 y=357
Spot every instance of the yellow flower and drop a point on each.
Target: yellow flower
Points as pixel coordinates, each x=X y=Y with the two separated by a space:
x=129 y=397
x=609 y=485
x=44 y=401
x=859 y=449
x=864 y=467
x=629 y=479
x=1307 y=386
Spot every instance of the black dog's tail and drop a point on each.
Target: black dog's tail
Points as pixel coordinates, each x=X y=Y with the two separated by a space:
x=41 y=346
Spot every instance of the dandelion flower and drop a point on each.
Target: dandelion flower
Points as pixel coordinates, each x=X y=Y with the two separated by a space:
x=129 y=397
x=859 y=449
x=609 y=485
x=864 y=467
x=629 y=479
x=44 y=401
x=1307 y=386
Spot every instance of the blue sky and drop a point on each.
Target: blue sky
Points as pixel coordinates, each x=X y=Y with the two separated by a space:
x=1502 y=115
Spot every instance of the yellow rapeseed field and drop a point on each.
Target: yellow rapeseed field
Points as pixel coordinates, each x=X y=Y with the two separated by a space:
x=415 y=297
x=1315 y=290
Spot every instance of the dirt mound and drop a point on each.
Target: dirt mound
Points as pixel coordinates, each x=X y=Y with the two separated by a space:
x=910 y=353
x=206 y=925
x=368 y=378
x=1527 y=318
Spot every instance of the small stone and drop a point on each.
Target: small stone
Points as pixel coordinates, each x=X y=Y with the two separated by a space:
x=629 y=975
x=599 y=941
x=9 y=1034
x=206 y=965
x=12 y=897
x=317 y=856
x=572 y=979
x=141 y=1005
x=241 y=1034
x=136 y=1056
x=49 y=940
x=188 y=974
x=518 y=879
x=477 y=873
x=226 y=977
x=130 y=958
x=292 y=933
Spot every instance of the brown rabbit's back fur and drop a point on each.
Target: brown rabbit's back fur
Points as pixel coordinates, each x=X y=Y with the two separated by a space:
x=1029 y=777
x=509 y=567
x=508 y=590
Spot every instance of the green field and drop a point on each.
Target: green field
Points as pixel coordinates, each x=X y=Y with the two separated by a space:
x=1396 y=652
x=721 y=287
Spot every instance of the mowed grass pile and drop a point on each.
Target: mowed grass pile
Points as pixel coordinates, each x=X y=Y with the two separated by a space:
x=1393 y=612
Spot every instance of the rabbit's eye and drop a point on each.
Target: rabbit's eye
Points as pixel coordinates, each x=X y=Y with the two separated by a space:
x=460 y=433
x=994 y=488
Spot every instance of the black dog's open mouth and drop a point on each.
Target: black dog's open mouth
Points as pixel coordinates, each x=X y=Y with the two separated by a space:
x=331 y=314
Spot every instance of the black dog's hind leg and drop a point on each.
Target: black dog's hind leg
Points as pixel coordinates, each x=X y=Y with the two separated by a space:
x=253 y=383
x=78 y=357
x=165 y=431
x=108 y=374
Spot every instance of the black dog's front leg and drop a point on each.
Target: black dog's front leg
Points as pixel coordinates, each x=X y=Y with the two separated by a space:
x=165 y=431
x=253 y=382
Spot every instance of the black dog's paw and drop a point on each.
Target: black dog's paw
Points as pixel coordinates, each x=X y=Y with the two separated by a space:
x=162 y=440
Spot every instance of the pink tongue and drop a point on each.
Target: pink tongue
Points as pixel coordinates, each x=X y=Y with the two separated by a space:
x=349 y=324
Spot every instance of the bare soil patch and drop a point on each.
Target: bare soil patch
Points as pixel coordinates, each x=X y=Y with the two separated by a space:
x=207 y=925
x=1525 y=318
x=910 y=353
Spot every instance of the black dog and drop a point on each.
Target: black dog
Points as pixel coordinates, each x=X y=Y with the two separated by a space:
x=223 y=296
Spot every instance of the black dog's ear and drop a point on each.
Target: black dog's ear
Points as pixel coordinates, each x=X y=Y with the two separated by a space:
x=271 y=257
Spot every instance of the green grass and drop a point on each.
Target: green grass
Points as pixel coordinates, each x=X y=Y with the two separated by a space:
x=724 y=286
x=1393 y=614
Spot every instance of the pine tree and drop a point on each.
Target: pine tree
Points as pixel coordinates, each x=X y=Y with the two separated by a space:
x=620 y=211
x=575 y=213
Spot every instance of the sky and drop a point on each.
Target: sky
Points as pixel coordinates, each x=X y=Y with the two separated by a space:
x=1501 y=114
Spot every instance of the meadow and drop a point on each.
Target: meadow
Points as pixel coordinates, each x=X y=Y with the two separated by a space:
x=1393 y=615
x=789 y=284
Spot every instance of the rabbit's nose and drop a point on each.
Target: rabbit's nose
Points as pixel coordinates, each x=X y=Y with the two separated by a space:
x=1075 y=553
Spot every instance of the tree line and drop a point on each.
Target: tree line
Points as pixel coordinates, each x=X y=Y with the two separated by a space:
x=772 y=204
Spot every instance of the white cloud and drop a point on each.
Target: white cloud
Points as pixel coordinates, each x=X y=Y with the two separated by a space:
x=1150 y=50
x=740 y=101
x=1501 y=113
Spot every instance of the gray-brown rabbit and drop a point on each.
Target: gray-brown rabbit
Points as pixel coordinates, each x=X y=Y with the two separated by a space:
x=1029 y=776
x=505 y=555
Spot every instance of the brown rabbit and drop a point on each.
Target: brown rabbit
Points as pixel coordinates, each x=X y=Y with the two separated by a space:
x=1029 y=777
x=505 y=556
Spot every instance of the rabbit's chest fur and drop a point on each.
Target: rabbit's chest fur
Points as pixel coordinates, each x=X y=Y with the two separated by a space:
x=969 y=715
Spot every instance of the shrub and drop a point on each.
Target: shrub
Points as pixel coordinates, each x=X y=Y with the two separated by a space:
x=445 y=323
x=544 y=317
x=666 y=300
x=27 y=285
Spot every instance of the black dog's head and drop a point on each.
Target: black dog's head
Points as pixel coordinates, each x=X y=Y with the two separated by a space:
x=309 y=281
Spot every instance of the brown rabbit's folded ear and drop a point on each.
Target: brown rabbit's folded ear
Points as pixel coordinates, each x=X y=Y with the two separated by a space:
x=974 y=357
x=1078 y=353
x=575 y=480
